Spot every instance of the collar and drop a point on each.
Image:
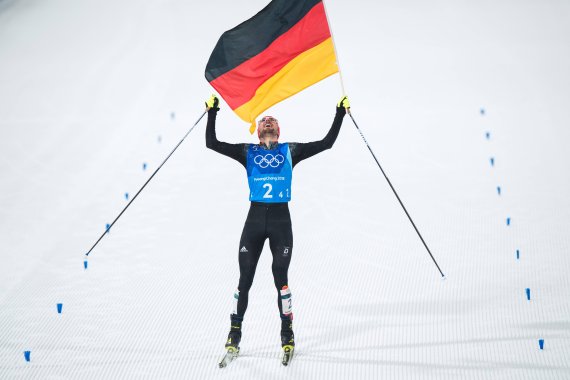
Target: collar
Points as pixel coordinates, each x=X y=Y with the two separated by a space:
x=271 y=146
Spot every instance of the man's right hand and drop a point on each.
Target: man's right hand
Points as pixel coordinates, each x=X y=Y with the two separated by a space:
x=213 y=102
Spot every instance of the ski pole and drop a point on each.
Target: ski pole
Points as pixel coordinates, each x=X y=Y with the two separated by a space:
x=395 y=193
x=148 y=180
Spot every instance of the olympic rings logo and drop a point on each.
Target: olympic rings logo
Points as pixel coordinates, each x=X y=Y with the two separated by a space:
x=269 y=160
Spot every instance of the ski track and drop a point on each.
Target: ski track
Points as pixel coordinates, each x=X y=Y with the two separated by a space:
x=87 y=90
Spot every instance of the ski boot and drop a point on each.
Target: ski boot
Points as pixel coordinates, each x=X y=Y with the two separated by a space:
x=287 y=341
x=232 y=345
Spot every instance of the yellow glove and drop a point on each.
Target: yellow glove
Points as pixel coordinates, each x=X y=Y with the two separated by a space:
x=213 y=103
x=343 y=103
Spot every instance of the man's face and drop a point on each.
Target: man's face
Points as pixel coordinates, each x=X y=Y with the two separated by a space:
x=268 y=127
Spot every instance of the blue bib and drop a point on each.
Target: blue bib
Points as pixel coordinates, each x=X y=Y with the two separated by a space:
x=269 y=173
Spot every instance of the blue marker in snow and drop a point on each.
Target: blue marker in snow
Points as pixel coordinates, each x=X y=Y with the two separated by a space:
x=492 y=160
x=499 y=190
x=127 y=196
x=518 y=254
x=144 y=165
x=488 y=135
x=508 y=221
x=27 y=355
x=59 y=308
x=527 y=290
x=482 y=111
x=107 y=227
x=541 y=344
x=85 y=263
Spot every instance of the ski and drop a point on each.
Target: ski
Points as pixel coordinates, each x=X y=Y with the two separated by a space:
x=229 y=357
x=287 y=355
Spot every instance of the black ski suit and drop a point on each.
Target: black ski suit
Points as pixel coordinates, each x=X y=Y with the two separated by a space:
x=267 y=220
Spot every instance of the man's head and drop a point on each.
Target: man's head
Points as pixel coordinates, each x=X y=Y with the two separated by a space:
x=268 y=126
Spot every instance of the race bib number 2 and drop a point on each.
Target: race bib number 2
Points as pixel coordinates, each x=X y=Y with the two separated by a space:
x=268 y=194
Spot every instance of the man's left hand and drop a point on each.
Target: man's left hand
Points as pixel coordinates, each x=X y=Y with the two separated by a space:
x=343 y=103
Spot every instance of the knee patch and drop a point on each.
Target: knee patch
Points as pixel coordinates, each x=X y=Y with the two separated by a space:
x=286 y=305
x=235 y=302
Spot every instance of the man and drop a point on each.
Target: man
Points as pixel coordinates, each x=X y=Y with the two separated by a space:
x=269 y=167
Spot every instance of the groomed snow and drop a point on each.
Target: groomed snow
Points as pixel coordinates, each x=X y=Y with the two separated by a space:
x=91 y=90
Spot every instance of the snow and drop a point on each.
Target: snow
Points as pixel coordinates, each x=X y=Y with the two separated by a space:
x=87 y=89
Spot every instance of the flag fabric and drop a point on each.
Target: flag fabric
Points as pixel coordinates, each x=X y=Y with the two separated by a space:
x=282 y=50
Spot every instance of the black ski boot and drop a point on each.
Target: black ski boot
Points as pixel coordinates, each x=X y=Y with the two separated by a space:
x=287 y=341
x=234 y=337
x=232 y=345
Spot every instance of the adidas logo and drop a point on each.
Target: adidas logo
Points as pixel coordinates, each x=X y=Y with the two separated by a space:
x=243 y=249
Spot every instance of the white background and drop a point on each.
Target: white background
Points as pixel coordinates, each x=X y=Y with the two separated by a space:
x=86 y=89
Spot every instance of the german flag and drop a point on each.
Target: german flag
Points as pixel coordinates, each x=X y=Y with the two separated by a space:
x=280 y=51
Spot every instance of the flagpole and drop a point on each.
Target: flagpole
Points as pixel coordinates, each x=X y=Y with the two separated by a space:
x=335 y=50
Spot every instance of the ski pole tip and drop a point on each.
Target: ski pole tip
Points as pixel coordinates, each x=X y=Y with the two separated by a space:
x=443 y=278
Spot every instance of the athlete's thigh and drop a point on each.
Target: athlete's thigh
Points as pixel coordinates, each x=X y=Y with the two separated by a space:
x=280 y=234
x=252 y=239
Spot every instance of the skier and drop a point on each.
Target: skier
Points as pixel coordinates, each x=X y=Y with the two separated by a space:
x=269 y=166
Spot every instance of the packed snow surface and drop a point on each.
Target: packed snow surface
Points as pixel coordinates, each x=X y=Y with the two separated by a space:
x=91 y=91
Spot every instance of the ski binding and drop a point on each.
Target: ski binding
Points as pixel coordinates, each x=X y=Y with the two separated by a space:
x=287 y=354
x=230 y=355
